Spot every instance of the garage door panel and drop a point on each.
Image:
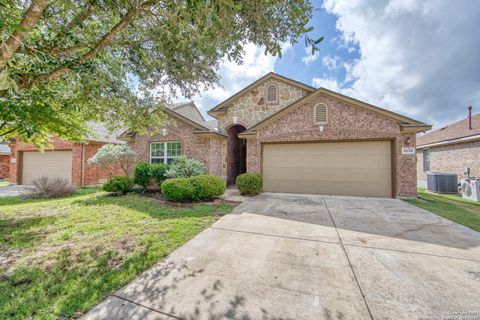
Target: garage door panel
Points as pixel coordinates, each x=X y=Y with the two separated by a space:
x=344 y=168
x=327 y=174
x=327 y=161
x=49 y=163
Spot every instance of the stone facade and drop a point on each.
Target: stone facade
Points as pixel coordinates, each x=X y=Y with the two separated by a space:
x=208 y=150
x=451 y=159
x=4 y=166
x=345 y=122
x=251 y=107
x=91 y=175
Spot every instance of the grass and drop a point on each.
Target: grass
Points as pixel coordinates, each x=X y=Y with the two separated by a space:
x=452 y=207
x=4 y=183
x=59 y=258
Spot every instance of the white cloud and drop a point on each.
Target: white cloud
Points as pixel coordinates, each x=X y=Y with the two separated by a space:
x=417 y=57
x=309 y=57
x=327 y=83
x=331 y=62
x=235 y=77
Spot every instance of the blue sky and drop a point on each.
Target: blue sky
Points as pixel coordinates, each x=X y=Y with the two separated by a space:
x=292 y=63
x=415 y=57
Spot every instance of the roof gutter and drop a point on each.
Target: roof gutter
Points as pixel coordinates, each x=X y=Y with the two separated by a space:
x=453 y=141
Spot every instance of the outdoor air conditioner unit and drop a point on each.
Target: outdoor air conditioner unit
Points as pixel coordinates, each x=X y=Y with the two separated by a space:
x=471 y=189
x=442 y=182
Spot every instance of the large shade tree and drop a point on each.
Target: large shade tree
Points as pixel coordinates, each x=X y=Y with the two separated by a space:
x=66 y=62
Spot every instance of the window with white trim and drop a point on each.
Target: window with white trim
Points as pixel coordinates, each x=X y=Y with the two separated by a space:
x=272 y=93
x=426 y=160
x=164 y=152
x=321 y=115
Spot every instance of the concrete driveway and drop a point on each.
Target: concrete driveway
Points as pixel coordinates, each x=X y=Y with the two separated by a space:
x=282 y=256
x=13 y=190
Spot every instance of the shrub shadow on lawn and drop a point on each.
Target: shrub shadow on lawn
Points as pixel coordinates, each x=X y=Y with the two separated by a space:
x=157 y=209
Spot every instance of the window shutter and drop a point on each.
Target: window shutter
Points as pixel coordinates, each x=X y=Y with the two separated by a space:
x=320 y=113
x=272 y=93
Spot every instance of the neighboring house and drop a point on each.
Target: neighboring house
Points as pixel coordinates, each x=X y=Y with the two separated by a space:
x=300 y=139
x=66 y=159
x=450 y=149
x=4 y=161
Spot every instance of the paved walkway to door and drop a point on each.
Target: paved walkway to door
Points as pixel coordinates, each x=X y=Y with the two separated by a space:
x=283 y=256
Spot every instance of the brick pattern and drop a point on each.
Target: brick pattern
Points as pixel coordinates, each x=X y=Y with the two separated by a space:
x=251 y=107
x=92 y=175
x=452 y=159
x=206 y=150
x=345 y=122
x=4 y=166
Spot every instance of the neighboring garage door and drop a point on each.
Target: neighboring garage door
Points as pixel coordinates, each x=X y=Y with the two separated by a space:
x=50 y=163
x=334 y=168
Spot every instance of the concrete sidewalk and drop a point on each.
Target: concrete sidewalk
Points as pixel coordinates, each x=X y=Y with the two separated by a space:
x=282 y=256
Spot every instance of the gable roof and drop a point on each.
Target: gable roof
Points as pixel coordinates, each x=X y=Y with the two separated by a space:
x=452 y=132
x=406 y=122
x=102 y=134
x=270 y=75
x=184 y=112
x=189 y=110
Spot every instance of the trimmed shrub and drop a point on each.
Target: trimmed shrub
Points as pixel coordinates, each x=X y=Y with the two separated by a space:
x=178 y=189
x=249 y=183
x=207 y=187
x=142 y=174
x=45 y=187
x=158 y=171
x=185 y=168
x=119 y=185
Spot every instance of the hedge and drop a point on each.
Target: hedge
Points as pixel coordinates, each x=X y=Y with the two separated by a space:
x=250 y=183
x=207 y=187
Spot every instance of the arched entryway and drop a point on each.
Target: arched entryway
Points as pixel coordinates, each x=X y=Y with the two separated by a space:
x=236 y=153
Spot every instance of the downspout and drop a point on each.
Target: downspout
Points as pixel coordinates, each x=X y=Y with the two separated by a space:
x=83 y=166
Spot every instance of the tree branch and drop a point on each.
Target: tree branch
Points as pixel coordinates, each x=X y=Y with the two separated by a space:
x=104 y=41
x=77 y=20
x=31 y=17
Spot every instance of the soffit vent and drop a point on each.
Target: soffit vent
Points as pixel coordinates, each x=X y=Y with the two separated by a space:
x=321 y=113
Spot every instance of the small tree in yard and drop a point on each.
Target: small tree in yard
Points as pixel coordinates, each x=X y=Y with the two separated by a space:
x=112 y=156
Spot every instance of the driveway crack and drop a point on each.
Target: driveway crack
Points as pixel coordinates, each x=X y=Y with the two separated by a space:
x=348 y=258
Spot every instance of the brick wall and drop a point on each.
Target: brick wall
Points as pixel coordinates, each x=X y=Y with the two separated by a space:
x=4 y=166
x=92 y=175
x=451 y=159
x=207 y=150
x=345 y=122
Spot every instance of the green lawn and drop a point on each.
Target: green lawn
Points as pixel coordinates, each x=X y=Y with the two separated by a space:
x=59 y=258
x=4 y=183
x=452 y=207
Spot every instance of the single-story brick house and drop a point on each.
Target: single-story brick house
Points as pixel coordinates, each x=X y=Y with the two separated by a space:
x=450 y=149
x=4 y=161
x=65 y=159
x=299 y=138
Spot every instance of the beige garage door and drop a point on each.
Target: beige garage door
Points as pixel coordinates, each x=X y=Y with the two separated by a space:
x=343 y=168
x=49 y=163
